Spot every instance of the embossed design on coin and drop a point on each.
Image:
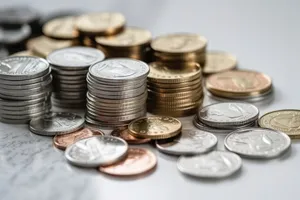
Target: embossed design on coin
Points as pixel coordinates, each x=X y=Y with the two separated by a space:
x=218 y=61
x=216 y=164
x=96 y=151
x=138 y=161
x=123 y=133
x=257 y=142
x=189 y=142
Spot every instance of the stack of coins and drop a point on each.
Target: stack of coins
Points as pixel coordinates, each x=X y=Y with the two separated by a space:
x=179 y=49
x=117 y=92
x=25 y=89
x=133 y=43
x=69 y=68
x=175 y=92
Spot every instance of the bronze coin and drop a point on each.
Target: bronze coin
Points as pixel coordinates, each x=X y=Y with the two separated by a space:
x=123 y=133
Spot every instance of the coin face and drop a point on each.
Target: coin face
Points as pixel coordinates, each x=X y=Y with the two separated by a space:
x=179 y=43
x=257 y=142
x=56 y=124
x=189 y=142
x=216 y=164
x=218 y=61
x=287 y=121
x=96 y=151
x=138 y=161
x=157 y=127
x=75 y=57
x=123 y=133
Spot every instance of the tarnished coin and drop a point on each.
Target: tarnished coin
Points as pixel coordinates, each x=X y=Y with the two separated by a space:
x=218 y=61
x=157 y=127
x=137 y=161
x=63 y=141
x=56 y=124
x=123 y=133
x=216 y=164
x=189 y=142
x=228 y=114
x=257 y=142
x=287 y=121
x=96 y=151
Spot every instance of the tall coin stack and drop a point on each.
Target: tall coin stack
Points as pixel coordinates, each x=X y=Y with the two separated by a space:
x=69 y=69
x=117 y=92
x=175 y=92
x=179 y=49
x=25 y=89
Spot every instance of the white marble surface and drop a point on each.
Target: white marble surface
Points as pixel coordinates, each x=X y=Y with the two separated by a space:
x=265 y=37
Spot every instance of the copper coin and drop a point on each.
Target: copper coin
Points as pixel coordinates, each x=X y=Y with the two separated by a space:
x=138 y=161
x=123 y=133
x=63 y=141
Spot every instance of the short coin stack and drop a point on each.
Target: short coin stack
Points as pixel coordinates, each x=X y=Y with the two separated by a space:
x=25 y=88
x=117 y=92
x=175 y=92
x=69 y=69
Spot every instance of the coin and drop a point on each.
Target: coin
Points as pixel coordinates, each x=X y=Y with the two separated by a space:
x=137 y=161
x=14 y=36
x=18 y=15
x=155 y=127
x=286 y=121
x=218 y=61
x=56 y=124
x=23 y=53
x=216 y=164
x=96 y=151
x=123 y=133
x=257 y=142
x=63 y=141
x=3 y=52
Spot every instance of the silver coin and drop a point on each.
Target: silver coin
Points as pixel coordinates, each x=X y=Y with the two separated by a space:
x=104 y=124
x=96 y=151
x=75 y=57
x=56 y=124
x=69 y=78
x=42 y=94
x=118 y=94
x=29 y=87
x=14 y=36
x=70 y=87
x=78 y=94
x=140 y=98
x=69 y=106
x=30 y=111
x=69 y=101
x=112 y=113
x=189 y=142
x=228 y=114
x=115 y=107
x=24 y=116
x=76 y=82
x=3 y=51
x=34 y=101
x=56 y=70
x=27 y=92
x=25 y=107
x=23 y=67
x=215 y=164
x=257 y=142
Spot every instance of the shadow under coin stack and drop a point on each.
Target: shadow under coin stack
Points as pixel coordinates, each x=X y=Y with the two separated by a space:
x=117 y=92
x=69 y=69
x=25 y=89
x=175 y=92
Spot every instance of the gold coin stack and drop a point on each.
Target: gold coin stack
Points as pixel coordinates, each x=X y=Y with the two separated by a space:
x=179 y=49
x=175 y=92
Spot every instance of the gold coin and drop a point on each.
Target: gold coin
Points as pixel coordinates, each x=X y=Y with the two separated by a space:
x=175 y=100
x=175 y=105
x=157 y=127
x=101 y=24
x=196 y=91
x=175 y=85
x=179 y=43
x=188 y=57
x=175 y=90
x=287 y=121
x=61 y=28
x=24 y=53
x=217 y=61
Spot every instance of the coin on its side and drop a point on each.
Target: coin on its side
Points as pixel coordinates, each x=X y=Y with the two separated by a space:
x=138 y=161
x=287 y=121
x=218 y=61
x=216 y=164
x=123 y=133
x=257 y=142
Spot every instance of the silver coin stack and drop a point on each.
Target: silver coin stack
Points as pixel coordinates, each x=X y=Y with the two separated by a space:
x=25 y=89
x=69 y=69
x=117 y=92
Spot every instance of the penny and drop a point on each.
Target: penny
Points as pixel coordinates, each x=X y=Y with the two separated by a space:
x=257 y=142
x=63 y=141
x=138 y=161
x=218 y=61
x=123 y=133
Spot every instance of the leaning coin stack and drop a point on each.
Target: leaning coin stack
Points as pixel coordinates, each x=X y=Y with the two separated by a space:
x=25 y=89
x=69 y=68
x=179 y=49
x=117 y=92
x=175 y=92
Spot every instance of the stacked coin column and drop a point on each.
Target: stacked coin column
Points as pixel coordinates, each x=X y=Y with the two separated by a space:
x=25 y=89
x=117 y=92
x=69 y=68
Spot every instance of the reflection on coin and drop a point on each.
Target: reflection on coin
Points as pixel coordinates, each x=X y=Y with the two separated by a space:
x=96 y=151
x=63 y=141
x=287 y=121
x=189 y=142
x=138 y=161
x=216 y=164
x=257 y=142
x=56 y=124
x=123 y=133
x=218 y=61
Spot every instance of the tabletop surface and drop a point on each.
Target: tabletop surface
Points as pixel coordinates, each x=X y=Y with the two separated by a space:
x=264 y=35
